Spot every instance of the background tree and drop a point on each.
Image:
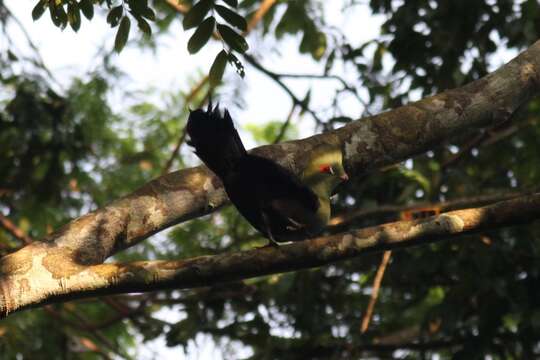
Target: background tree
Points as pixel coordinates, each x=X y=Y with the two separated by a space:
x=64 y=151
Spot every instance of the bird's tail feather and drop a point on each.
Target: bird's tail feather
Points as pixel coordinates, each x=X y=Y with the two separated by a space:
x=215 y=139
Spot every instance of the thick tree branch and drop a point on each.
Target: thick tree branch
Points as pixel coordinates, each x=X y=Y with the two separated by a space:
x=53 y=284
x=59 y=265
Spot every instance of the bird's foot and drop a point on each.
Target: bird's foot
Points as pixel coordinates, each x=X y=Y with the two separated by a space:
x=295 y=225
x=271 y=244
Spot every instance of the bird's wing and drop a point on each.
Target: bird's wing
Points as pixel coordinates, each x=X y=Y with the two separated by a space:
x=279 y=183
x=290 y=214
x=289 y=204
x=272 y=198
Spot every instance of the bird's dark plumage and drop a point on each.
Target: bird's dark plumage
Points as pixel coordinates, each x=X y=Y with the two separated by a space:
x=215 y=139
x=270 y=197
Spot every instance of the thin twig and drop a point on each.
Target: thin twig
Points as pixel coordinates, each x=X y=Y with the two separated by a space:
x=285 y=125
x=196 y=89
x=490 y=136
x=464 y=149
x=183 y=134
x=5 y=191
x=14 y=230
x=181 y=8
x=346 y=87
x=39 y=59
x=296 y=101
x=175 y=152
x=375 y=291
x=81 y=324
x=91 y=346
x=100 y=337
x=259 y=14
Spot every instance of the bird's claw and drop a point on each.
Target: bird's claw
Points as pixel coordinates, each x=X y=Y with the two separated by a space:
x=271 y=244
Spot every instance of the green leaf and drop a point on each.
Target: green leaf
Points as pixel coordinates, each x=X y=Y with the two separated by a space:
x=218 y=68
x=143 y=25
x=122 y=34
x=233 y=39
x=305 y=101
x=87 y=9
x=307 y=42
x=115 y=15
x=293 y=20
x=233 y=3
x=377 y=57
x=74 y=16
x=196 y=14
x=313 y=42
x=58 y=15
x=239 y=67
x=12 y=56
x=148 y=13
x=329 y=62
x=231 y=17
x=318 y=52
x=39 y=9
x=201 y=36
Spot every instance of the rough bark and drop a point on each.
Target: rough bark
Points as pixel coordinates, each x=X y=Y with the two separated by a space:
x=367 y=144
x=57 y=284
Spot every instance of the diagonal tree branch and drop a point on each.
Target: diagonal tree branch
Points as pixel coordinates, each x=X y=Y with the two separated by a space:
x=367 y=144
x=146 y=276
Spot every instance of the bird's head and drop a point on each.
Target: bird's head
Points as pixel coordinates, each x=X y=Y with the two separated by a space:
x=325 y=168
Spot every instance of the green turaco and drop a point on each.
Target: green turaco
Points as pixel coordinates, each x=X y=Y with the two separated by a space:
x=282 y=206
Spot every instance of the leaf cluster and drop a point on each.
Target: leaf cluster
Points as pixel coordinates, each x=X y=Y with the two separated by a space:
x=202 y=17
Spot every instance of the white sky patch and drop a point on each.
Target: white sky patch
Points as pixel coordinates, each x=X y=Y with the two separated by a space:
x=68 y=54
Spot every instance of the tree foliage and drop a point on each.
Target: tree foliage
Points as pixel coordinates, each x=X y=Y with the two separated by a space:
x=65 y=151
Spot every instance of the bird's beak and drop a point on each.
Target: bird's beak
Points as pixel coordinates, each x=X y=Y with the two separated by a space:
x=344 y=177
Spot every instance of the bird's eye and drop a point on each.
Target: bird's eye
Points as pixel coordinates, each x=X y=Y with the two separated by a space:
x=326 y=169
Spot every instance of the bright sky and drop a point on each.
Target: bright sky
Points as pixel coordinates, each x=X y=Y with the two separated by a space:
x=68 y=54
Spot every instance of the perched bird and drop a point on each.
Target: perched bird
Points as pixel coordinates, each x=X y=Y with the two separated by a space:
x=282 y=206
